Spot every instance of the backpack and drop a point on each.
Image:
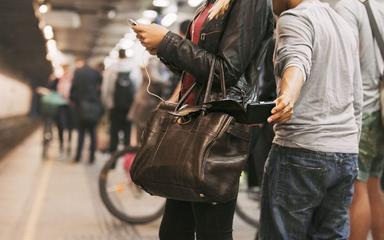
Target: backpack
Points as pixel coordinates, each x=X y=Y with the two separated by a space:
x=124 y=91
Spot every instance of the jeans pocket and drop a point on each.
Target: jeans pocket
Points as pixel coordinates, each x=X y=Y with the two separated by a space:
x=300 y=184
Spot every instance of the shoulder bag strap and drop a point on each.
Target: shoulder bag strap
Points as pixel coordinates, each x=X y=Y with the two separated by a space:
x=375 y=28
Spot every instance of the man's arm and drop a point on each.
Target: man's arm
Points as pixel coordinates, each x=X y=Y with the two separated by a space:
x=74 y=88
x=289 y=92
x=293 y=60
x=107 y=88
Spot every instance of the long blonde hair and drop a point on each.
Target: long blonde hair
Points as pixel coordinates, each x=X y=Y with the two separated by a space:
x=219 y=8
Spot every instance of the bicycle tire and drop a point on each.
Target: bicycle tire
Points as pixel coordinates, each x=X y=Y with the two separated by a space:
x=245 y=217
x=107 y=201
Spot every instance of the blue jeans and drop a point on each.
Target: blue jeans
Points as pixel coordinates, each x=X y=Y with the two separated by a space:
x=306 y=194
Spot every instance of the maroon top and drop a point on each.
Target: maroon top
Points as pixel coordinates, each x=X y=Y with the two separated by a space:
x=195 y=30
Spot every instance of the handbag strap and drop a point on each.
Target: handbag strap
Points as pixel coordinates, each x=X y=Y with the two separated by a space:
x=209 y=85
x=375 y=27
x=208 y=90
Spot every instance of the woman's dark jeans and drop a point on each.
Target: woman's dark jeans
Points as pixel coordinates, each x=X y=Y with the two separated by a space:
x=182 y=220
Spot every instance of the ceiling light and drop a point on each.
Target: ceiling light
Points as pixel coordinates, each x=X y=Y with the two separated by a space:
x=194 y=3
x=169 y=19
x=126 y=43
x=111 y=14
x=161 y=3
x=43 y=8
x=48 y=32
x=150 y=14
x=143 y=21
x=51 y=45
x=129 y=52
x=114 y=53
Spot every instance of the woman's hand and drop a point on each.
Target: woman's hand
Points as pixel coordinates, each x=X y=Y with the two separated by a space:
x=150 y=36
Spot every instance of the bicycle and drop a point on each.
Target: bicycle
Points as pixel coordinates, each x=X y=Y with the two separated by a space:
x=119 y=196
x=49 y=105
x=47 y=136
x=123 y=199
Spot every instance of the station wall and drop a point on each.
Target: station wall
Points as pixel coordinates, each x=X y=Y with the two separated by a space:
x=15 y=97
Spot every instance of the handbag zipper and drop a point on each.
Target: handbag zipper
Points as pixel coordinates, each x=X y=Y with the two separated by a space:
x=211 y=145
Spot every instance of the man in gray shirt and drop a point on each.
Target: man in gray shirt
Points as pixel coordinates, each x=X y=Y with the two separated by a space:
x=309 y=175
x=368 y=194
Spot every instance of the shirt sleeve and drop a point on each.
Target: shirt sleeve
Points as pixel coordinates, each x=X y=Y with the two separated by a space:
x=107 y=88
x=294 y=44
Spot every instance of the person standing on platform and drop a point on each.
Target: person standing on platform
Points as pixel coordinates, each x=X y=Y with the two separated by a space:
x=367 y=212
x=228 y=34
x=120 y=84
x=308 y=178
x=85 y=95
x=65 y=114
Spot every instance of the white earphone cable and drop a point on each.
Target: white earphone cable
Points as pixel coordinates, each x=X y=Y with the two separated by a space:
x=149 y=83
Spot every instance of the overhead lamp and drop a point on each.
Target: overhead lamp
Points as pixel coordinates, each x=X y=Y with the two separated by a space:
x=169 y=19
x=129 y=53
x=51 y=45
x=48 y=32
x=194 y=3
x=143 y=21
x=111 y=14
x=150 y=14
x=130 y=34
x=126 y=43
x=43 y=8
x=161 y=3
x=114 y=53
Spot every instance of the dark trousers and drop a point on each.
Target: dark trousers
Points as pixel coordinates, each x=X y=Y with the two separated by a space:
x=64 y=121
x=260 y=145
x=306 y=194
x=119 y=122
x=182 y=220
x=82 y=129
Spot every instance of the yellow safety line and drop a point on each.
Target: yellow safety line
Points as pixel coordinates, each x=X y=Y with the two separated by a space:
x=37 y=203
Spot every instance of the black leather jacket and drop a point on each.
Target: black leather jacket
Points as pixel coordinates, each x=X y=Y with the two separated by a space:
x=238 y=39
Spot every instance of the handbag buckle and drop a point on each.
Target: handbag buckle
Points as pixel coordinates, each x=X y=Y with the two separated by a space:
x=184 y=120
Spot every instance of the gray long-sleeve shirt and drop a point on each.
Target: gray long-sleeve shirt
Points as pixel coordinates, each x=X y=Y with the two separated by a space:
x=327 y=114
x=371 y=61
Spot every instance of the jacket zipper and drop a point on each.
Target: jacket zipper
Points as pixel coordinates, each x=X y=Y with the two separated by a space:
x=204 y=35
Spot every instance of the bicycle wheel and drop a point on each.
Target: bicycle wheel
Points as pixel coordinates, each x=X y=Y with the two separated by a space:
x=47 y=137
x=248 y=202
x=120 y=195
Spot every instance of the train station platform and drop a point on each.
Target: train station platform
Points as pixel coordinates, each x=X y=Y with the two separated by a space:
x=55 y=200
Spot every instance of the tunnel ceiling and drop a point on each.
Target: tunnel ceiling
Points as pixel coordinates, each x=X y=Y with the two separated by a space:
x=81 y=28
x=98 y=33
x=22 y=45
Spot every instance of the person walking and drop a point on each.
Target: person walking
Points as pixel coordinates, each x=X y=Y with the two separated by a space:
x=120 y=84
x=367 y=212
x=65 y=121
x=231 y=33
x=308 y=179
x=85 y=95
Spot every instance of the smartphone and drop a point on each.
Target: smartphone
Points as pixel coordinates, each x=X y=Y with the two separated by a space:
x=132 y=22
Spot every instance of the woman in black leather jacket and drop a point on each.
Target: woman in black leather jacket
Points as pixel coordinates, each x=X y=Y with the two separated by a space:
x=234 y=32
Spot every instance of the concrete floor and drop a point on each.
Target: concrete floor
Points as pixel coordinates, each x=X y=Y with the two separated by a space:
x=56 y=200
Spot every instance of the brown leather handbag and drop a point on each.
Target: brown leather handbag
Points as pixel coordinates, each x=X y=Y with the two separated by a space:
x=189 y=154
